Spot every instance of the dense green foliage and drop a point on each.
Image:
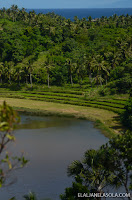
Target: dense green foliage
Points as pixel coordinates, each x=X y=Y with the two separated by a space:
x=111 y=165
x=49 y=49
x=126 y=116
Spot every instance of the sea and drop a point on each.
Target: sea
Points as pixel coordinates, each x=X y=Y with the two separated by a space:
x=85 y=12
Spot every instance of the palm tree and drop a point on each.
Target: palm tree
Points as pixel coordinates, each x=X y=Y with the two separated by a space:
x=9 y=69
x=28 y=68
x=115 y=59
x=71 y=65
x=99 y=67
x=31 y=60
x=15 y=10
x=1 y=71
x=23 y=15
x=3 y=12
x=80 y=69
x=30 y=196
x=49 y=64
x=18 y=71
x=88 y=61
x=89 y=18
x=76 y=20
x=30 y=63
x=32 y=16
x=79 y=57
x=93 y=170
x=108 y=166
x=25 y=69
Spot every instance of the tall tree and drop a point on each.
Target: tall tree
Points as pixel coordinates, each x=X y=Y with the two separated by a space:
x=71 y=68
x=99 y=67
x=49 y=64
x=15 y=10
x=18 y=72
x=9 y=70
x=30 y=67
x=1 y=71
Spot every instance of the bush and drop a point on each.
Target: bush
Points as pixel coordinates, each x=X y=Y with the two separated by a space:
x=103 y=91
x=126 y=116
x=122 y=85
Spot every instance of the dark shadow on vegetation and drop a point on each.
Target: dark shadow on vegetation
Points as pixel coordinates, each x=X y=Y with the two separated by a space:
x=15 y=87
x=119 y=126
x=12 y=87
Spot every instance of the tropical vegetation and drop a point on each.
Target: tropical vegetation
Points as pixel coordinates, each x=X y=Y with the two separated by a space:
x=108 y=167
x=84 y=62
x=49 y=49
x=8 y=121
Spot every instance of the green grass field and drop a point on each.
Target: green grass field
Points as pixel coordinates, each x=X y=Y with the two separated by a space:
x=72 y=103
x=108 y=121
x=69 y=97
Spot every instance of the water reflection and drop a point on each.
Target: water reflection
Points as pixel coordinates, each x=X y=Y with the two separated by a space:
x=33 y=122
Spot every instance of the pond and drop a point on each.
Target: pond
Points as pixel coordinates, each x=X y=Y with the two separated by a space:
x=51 y=144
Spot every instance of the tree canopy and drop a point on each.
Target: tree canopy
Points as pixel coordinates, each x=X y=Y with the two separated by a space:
x=99 y=51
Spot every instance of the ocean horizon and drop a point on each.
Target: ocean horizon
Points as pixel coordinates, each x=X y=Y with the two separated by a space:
x=84 y=12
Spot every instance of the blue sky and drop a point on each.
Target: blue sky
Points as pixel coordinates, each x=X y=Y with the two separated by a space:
x=67 y=3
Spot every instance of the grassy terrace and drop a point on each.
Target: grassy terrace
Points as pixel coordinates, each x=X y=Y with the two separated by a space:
x=103 y=110
x=69 y=97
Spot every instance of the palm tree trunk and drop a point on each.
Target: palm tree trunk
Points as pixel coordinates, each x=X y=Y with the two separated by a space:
x=100 y=77
x=106 y=81
x=125 y=185
x=19 y=79
x=71 y=80
x=48 y=80
x=1 y=79
x=31 y=82
x=26 y=80
x=81 y=80
x=90 y=77
x=9 y=79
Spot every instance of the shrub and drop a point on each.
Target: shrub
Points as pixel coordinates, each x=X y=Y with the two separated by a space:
x=103 y=91
x=126 y=116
